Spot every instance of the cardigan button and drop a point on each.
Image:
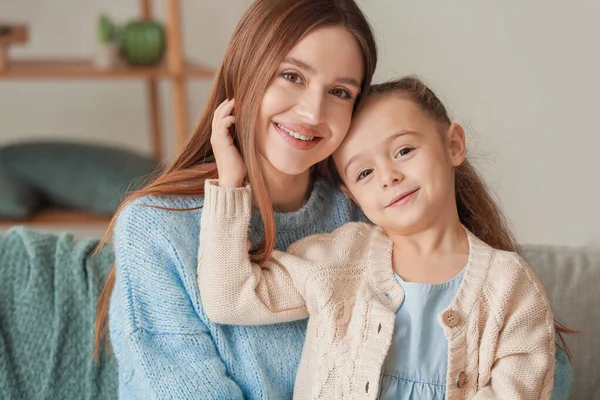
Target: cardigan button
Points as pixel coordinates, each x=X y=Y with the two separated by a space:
x=450 y=318
x=462 y=380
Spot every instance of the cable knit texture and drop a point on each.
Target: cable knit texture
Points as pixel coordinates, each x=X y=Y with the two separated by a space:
x=165 y=346
x=501 y=347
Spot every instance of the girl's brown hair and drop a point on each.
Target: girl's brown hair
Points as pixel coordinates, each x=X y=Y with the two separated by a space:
x=264 y=35
x=477 y=209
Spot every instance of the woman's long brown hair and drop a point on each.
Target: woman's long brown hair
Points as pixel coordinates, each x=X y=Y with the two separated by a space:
x=264 y=35
x=477 y=209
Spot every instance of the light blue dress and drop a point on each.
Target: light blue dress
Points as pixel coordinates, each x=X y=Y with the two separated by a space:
x=416 y=364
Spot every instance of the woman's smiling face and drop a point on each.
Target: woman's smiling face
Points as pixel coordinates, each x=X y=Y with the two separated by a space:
x=307 y=108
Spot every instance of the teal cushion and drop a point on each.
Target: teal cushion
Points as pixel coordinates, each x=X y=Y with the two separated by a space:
x=17 y=199
x=81 y=176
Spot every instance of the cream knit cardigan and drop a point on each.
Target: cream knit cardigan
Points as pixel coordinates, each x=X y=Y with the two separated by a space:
x=499 y=326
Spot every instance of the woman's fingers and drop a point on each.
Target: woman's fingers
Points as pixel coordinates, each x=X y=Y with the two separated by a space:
x=227 y=122
x=222 y=119
x=224 y=109
x=222 y=113
x=230 y=166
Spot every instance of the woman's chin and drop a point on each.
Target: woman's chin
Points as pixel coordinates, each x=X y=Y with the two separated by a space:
x=290 y=166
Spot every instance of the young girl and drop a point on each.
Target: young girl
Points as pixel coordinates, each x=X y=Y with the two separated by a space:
x=430 y=301
x=295 y=66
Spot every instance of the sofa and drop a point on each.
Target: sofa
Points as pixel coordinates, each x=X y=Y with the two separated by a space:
x=50 y=284
x=571 y=277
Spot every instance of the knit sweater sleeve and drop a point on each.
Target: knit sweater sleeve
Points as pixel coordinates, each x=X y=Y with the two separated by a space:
x=163 y=346
x=235 y=290
x=523 y=365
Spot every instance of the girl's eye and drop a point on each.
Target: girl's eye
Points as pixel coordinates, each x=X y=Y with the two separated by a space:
x=404 y=151
x=292 y=77
x=363 y=174
x=341 y=93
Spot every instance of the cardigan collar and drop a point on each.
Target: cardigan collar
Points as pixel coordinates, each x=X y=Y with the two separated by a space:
x=389 y=291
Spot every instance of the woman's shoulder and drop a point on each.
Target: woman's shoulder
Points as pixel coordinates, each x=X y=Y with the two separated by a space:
x=159 y=219
x=156 y=245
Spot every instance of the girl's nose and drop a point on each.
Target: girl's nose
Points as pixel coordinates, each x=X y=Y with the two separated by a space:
x=391 y=178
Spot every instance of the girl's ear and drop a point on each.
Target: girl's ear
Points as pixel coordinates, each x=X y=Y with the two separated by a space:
x=457 y=146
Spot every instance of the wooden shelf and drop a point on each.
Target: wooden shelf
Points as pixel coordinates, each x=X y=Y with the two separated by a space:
x=85 y=69
x=59 y=216
x=174 y=68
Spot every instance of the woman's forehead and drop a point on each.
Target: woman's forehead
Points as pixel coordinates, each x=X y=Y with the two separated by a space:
x=330 y=50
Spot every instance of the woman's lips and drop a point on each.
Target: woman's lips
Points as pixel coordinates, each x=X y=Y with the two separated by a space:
x=298 y=144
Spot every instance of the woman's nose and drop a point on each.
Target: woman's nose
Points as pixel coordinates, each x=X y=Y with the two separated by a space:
x=311 y=107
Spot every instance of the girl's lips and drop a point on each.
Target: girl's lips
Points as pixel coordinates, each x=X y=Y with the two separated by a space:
x=402 y=198
x=297 y=143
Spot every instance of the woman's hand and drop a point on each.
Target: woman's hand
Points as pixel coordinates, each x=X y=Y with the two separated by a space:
x=230 y=165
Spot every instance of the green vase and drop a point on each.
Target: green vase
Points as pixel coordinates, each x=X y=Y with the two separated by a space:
x=143 y=42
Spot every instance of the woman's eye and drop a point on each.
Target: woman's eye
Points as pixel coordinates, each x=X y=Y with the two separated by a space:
x=341 y=93
x=404 y=152
x=363 y=174
x=292 y=77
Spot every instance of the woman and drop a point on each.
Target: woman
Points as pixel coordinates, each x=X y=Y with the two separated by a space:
x=297 y=69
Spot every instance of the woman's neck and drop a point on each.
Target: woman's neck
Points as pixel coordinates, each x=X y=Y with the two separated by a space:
x=288 y=192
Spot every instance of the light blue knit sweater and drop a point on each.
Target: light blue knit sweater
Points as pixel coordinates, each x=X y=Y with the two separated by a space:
x=164 y=344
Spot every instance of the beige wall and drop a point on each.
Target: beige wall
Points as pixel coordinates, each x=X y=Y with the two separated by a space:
x=522 y=76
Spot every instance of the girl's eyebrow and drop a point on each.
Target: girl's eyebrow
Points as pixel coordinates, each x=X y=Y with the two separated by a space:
x=354 y=158
x=387 y=140
x=310 y=69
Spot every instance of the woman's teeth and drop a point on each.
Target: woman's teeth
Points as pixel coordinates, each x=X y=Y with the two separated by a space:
x=295 y=134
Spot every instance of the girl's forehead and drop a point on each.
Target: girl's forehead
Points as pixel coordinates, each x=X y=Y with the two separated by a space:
x=380 y=120
x=385 y=115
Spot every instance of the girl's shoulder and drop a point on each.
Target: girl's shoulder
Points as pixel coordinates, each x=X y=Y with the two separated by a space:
x=499 y=274
x=496 y=264
x=509 y=264
x=511 y=277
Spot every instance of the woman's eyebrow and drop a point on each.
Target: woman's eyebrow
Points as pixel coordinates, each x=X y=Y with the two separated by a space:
x=310 y=69
x=300 y=64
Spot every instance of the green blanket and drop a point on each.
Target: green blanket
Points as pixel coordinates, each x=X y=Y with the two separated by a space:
x=49 y=285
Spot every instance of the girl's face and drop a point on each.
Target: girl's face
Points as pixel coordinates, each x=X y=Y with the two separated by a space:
x=399 y=167
x=306 y=110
